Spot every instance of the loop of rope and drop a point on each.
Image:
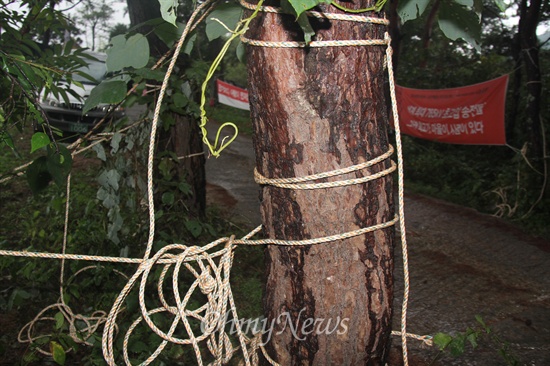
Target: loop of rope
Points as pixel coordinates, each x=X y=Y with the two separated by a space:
x=260 y=179
x=426 y=339
x=297 y=183
x=88 y=324
x=296 y=44
x=320 y=15
x=350 y=169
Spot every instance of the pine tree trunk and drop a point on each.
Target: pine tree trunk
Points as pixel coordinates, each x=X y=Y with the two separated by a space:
x=316 y=110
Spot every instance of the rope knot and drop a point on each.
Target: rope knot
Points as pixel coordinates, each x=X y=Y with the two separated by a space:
x=207 y=283
x=427 y=340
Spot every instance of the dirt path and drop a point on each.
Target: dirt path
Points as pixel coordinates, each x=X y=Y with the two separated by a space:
x=462 y=264
x=465 y=264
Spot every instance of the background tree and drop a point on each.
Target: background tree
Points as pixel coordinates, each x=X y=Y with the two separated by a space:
x=95 y=16
x=492 y=179
x=31 y=64
x=180 y=143
x=526 y=52
x=118 y=29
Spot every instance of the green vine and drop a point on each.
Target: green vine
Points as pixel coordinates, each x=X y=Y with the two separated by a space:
x=377 y=7
x=218 y=146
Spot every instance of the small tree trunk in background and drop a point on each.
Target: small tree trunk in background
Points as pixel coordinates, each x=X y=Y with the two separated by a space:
x=395 y=31
x=317 y=110
x=428 y=30
x=527 y=34
x=511 y=133
x=183 y=138
x=47 y=35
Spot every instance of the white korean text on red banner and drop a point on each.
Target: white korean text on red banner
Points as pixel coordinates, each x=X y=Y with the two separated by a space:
x=468 y=115
x=232 y=95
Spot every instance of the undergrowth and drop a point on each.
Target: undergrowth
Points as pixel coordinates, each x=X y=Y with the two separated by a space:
x=495 y=180
x=241 y=118
x=35 y=223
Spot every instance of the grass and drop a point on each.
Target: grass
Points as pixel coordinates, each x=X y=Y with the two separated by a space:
x=222 y=113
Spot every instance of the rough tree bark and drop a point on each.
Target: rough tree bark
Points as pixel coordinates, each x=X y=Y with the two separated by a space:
x=183 y=138
x=317 y=110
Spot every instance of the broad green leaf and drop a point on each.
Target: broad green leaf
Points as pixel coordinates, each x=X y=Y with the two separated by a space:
x=180 y=100
x=442 y=340
x=115 y=225
x=149 y=74
x=168 y=10
x=109 y=179
x=108 y=92
x=115 y=142
x=59 y=320
x=100 y=151
x=128 y=52
x=19 y=297
x=223 y=20
x=297 y=8
x=241 y=52
x=107 y=199
x=39 y=140
x=138 y=346
x=411 y=9
x=457 y=346
x=168 y=33
x=165 y=167
x=5 y=137
x=300 y=6
x=194 y=227
x=189 y=44
x=472 y=338
x=185 y=188
x=501 y=5
x=168 y=198
x=473 y=5
x=37 y=174
x=58 y=353
x=304 y=23
x=457 y=21
x=59 y=163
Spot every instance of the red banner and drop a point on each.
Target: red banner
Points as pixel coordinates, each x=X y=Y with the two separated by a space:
x=469 y=115
x=231 y=95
